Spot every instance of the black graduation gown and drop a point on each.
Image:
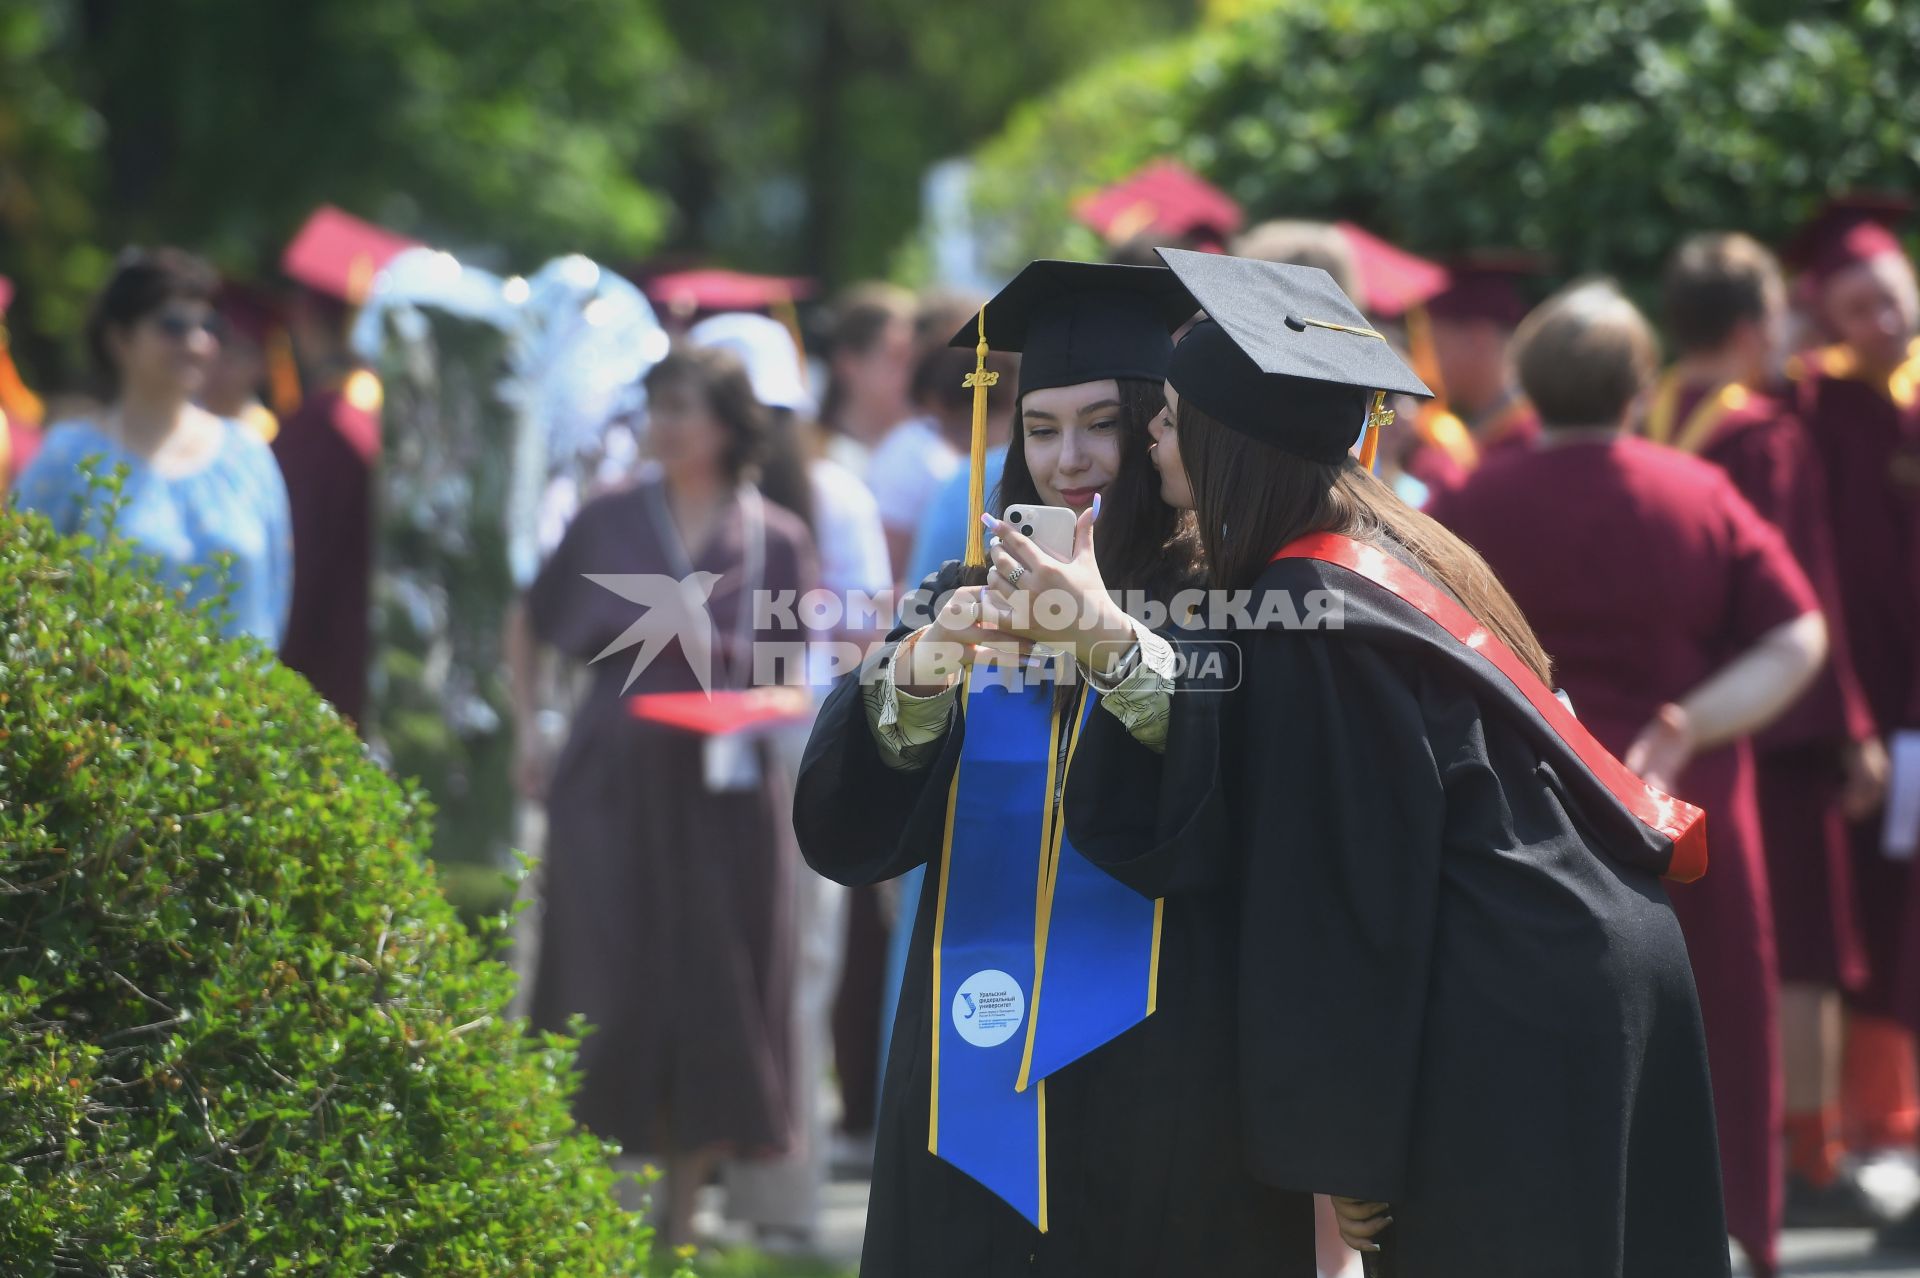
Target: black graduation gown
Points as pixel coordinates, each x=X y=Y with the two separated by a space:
x=1461 y=988
x=1145 y=1168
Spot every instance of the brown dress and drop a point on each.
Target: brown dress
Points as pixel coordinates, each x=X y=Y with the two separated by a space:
x=668 y=906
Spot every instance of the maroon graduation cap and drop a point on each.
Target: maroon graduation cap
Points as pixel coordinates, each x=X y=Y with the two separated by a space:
x=250 y=312
x=723 y=712
x=713 y=290
x=1164 y=200
x=1848 y=229
x=1486 y=286
x=1392 y=280
x=338 y=254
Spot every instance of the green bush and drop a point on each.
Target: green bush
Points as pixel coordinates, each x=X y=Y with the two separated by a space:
x=1595 y=131
x=241 y=1032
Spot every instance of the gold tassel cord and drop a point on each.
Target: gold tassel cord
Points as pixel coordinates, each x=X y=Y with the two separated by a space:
x=980 y=380
x=1343 y=328
x=1379 y=417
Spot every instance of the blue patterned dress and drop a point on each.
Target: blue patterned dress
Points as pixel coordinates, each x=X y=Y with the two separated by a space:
x=236 y=504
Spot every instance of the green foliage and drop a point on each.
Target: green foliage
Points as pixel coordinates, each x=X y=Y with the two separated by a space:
x=241 y=1033
x=220 y=124
x=745 y=1262
x=803 y=129
x=1593 y=130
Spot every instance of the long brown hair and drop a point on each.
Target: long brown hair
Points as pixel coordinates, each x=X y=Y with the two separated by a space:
x=1252 y=498
x=1143 y=544
x=723 y=382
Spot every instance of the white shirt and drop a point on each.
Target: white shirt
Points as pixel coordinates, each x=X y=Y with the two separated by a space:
x=851 y=543
x=907 y=469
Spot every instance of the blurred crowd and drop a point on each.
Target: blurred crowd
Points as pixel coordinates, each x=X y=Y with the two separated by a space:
x=1642 y=485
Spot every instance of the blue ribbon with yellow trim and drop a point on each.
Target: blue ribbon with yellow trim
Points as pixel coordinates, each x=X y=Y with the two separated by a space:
x=1039 y=957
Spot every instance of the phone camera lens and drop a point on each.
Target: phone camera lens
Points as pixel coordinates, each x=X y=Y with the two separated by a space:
x=1013 y=516
x=1026 y=530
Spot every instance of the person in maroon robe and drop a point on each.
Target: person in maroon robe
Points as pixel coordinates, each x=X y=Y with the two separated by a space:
x=1472 y=322
x=327 y=449
x=1822 y=763
x=1860 y=401
x=1679 y=624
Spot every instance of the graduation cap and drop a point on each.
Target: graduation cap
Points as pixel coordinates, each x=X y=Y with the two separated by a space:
x=1073 y=322
x=722 y=712
x=1283 y=356
x=1070 y=322
x=1848 y=230
x=338 y=254
x=714 y=290
x=1486 y=286
x=1165 y=200
x=249 y=312
x=1392 y=281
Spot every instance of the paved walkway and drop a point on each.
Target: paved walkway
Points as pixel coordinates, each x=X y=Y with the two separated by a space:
x=1808 y=1253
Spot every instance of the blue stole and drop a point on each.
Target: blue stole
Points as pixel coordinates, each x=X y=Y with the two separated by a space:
x=1023 y=924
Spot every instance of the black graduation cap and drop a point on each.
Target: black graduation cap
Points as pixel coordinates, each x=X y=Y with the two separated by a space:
x=1074 y=322
x=1283 y=356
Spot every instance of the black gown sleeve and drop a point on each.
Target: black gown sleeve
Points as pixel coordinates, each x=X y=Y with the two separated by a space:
x=858 y=820
x=1157 y=821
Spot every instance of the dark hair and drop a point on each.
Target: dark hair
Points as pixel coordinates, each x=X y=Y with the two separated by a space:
x=1144 y=544
x=1714 y=283
x=143 y=282
x=1251 y=499
x=861 y=316
x=722 y=380
x=1584 y=355
x=786 y=477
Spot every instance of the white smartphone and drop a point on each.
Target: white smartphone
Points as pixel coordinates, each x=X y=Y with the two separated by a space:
x=1048 y=527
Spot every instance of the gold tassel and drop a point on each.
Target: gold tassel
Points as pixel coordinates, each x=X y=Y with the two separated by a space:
x=980 y=380
x=283 y=373
x=1379 y=417
x=16 y=401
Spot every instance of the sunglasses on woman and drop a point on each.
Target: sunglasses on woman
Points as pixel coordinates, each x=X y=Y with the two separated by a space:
x=180 y=325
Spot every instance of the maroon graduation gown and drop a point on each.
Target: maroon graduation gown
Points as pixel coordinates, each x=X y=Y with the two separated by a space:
x=327 y=450
x=1644 y=571
x=1870 y=444
x=1798 y=761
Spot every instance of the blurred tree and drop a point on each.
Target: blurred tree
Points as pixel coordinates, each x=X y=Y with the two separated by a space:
x=804 y=128
x=220 y=123
x=1593 y=131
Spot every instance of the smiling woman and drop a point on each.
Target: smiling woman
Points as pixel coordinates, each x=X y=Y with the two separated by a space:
x=1031 y=1065
x=202 y=494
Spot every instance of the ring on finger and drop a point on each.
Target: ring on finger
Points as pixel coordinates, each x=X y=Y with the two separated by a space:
x=1013 y=575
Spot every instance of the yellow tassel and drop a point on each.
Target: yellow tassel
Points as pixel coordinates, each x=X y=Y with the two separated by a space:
x=283 y=373
x=980 y=380
x=16 y=400
x=1379 y=417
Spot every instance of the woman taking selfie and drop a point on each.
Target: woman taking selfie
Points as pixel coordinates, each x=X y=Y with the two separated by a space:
x=1460 y=1000
x=1102 y=1139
